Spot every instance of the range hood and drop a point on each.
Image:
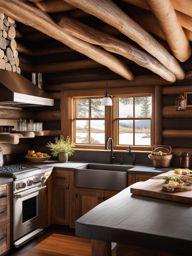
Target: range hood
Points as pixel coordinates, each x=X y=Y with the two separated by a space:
x=16 y=90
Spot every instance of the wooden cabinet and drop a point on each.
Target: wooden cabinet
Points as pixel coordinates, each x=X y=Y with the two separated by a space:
x=136 y=177
x=68 y=202
x=61 y=201
x=4 y=218
x=86 y=199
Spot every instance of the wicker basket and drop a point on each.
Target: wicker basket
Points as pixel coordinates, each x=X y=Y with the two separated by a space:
x=162 y=160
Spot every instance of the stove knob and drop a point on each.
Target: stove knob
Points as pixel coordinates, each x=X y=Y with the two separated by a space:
x=21 y=185
x=43 y=179
x=36 y=180
x=29 y=182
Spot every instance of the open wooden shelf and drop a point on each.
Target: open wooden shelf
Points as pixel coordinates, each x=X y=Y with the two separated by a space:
x=14 y=137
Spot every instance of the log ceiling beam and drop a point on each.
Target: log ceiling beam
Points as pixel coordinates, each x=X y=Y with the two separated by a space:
x=52 y=6
x=176 y=38
x=110 y=13
x=110 y=43
x=185 y=20
x=179 y=5
x=35 y=18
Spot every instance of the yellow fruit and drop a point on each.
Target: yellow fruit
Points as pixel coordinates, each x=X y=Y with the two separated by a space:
x=178 y=171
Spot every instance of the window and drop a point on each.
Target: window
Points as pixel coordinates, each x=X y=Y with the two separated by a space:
x=134 y=120
x=89 y=121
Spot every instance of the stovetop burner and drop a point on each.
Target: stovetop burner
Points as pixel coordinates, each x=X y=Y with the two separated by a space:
x=10 y=170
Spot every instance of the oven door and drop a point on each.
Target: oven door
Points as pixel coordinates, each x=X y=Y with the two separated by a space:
x=26 y=212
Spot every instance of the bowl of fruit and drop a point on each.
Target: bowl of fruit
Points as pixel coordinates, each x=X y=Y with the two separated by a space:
x=161 y=156
x=36 y=157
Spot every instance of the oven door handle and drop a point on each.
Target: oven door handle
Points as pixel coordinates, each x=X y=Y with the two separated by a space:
x=20 y=195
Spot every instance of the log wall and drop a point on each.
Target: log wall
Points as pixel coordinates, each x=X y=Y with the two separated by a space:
x=177 y=125
x=8 y=47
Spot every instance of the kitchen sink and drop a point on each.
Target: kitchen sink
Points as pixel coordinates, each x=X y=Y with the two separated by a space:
x=102 y=176
x=110 y=167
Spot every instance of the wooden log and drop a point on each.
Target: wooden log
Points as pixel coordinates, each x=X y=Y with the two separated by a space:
x=54 y=6
x=11 y=21
x=13 y=44
x=148 y=80
x=188 y=34
x=14 y=68
x=2 y=54
x=177 y=133
x=169 y=90
x=182 y=6
x=66 y=66
x=100 y=248
x=9 y=138
x=16 y=61
x=171 y=27
x=3 y=43
x=170 y=112
x=2 y=63
x=158 y=116
x=1 y=24
x=11 y=32
x=10 y=56
x=4 y=34
x=5 y=58
x=47 y=115
x=149 y=23
x=33 y=17
x=108 y=12
x=48 y=133
x=114 y=45
x=8 y=66
x=18 y=70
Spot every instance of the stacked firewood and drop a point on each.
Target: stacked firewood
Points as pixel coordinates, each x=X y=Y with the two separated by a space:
x=8 y=48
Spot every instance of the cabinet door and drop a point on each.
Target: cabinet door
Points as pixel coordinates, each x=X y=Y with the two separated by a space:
x=83 y=201
x=132 y=177
x=108 y=193
x=4 y=218
x=61 y=198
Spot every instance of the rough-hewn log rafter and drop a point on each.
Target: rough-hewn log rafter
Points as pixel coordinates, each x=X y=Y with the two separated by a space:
x=107 y=11
x=93 y=36
x=54 y=6
x=171 y=27
x=33 y=17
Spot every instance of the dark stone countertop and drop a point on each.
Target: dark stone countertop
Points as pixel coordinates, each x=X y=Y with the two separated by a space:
x=139 y=220
x=148 y=169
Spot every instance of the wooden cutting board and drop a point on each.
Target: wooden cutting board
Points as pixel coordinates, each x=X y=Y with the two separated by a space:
x=152 y=188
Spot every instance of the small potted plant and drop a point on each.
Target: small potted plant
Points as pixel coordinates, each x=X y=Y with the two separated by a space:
x=61 y=148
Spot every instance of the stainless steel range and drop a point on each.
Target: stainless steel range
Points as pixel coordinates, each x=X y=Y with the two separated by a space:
x=29 y=182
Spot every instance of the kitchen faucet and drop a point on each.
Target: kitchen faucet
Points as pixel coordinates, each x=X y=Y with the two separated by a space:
x=132 y=155
x=109 y=145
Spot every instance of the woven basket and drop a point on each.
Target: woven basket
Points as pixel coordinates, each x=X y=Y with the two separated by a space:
x=163 y=160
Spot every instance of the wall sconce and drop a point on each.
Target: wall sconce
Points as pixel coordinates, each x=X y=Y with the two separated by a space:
x=107 y=100
x=181 y=103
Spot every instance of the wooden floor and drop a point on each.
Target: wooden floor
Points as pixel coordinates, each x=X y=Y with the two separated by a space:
x=55 y=244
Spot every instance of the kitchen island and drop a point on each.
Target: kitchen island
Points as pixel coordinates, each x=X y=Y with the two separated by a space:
x=138 y=222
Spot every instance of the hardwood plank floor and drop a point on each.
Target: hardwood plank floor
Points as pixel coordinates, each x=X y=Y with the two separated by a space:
x=55 y=244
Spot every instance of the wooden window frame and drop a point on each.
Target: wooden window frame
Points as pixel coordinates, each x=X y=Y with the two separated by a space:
x=67 y=110
x=116 y=119
x=89 y=119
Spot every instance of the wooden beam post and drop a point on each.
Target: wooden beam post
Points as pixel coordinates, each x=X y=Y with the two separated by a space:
x=101 y=248
x=158 y=115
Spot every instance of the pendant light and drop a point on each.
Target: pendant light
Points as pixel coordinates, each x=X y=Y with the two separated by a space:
x=107 y=100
